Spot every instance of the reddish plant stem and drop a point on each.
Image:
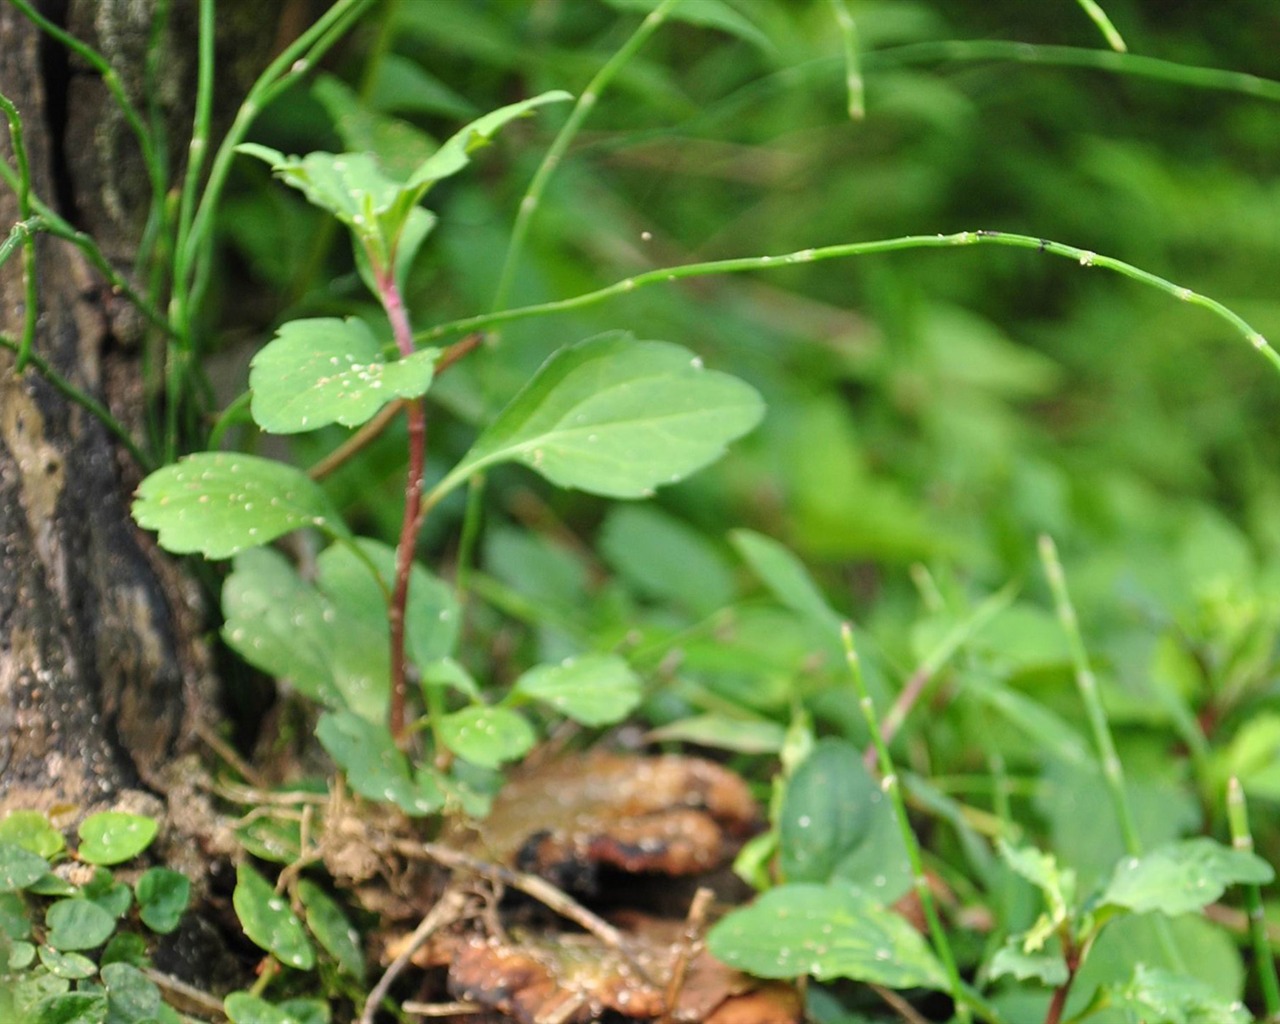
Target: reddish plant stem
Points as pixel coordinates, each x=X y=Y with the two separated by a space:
x=417 y=416
x=1059 y=1001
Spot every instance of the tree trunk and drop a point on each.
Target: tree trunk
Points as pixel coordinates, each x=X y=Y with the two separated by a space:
x=104 y=682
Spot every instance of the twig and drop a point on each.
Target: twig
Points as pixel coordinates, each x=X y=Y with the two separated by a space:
x=441 y=1009
x=690 y=942
x=531 y=885
x=229 y=754
x=899 y=1005
x=196 y=999
x=448 y=908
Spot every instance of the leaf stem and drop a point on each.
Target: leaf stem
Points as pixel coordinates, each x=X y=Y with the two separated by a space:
x=854 y=88
x=1087 y=685
x=1263 y=955
x=1109 y=32
x=890 y=784
x=31 y=300
x=590 y=95
x=666 y=275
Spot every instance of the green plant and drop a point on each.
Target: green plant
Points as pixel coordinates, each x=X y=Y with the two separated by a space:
x=63 y=952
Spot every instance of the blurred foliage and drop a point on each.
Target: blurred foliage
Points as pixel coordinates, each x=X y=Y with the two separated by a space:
x=929 y=413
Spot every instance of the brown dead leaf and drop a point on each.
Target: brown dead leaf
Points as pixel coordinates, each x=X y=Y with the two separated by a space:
x=564 y=820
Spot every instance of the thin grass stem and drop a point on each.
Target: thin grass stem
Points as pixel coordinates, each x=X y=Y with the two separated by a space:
x=889 y=782
x=1263 y=956
x=28 y=239
x=586 y=101
x=1087 y=685
x=1109 y=32
x=667 y=275
x=854 y=87
x=959 y=50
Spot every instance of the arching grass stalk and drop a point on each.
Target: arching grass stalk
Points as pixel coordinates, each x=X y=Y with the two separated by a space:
x=1073 y=57
x=28 y=237
x=1083 y=257
x=1109 y=32
x=1087 y=686
x=1109 y=759
x=564 y=137
x=194 y=257
x=890 y=783
x=853 y=84
x=1263 y=957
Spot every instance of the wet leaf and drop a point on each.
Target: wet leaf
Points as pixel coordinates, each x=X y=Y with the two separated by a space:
x=76 y=924
x=487 y=736
x=67 y=965
x=131 y=995
x=32 y=831
x=1182 y=877
x=269 y=922
x=594 y=689
x=827 y=931
x=375 y=767
x=244 y=1008
x=332 y=929
x=325 y=370
x=1156 y=994
x=220 y=503
x=112 y=837
x=19 y=868
x=617 y=417
x=162 y=899
x=826 y=808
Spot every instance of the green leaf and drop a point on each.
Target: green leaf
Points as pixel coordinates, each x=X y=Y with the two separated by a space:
x=19 y=868
x=114 y=897
x=112 y=837
x=826 y=809
x=1013 y=960
x=78 y=924
x=269 y=922
x=487 y=736
x=14 y=921
x=706 y=14
x=617 y=417
x=67 y=965
x=332 y=929
x=131 y=995
x=834 y=823
x=827 y=931
x=664 y=559
x=594 y=689
x=32 y=831
x=724 y=732
x=125 y=948
x=71 y=1008
x=244 y=1008
x=375 y=767
x=324 y=370
x=162 y=899
x=286 y=626
x=1156 y=994
x=1182 y=877
x=788 y=579
x=1058 y=885
x=220 y=503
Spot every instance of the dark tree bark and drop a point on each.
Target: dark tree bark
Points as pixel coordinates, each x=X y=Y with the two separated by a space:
x=104 y=682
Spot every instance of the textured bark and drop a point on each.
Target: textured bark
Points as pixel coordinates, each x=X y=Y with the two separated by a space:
x=104 y=685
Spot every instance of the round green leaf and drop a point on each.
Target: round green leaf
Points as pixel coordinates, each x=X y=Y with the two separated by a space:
x=827 y=931
x=375 y=767
x=67 y=965
x=111 y=837
x=243 y=1008
x=220 y=503
x=125 y=948
x=78 y=924
x=594 y=689
x=332 y=929
x=1182 y=877
x=19 y=868
x=617 y=417
x=487 y=736
x=71 y=1008
x=162 y=899
x=325 y=370
x=269 y=922
x=131 y=995
x=31 y=830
